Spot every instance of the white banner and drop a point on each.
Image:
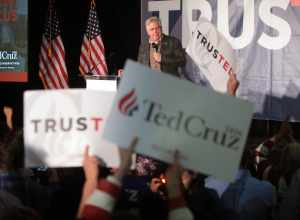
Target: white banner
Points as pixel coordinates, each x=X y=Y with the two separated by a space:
x=59 y=124
x=210 y=56
x=166 y=113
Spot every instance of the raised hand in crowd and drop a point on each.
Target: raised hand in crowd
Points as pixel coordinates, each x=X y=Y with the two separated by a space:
x=177 y=204
x=173 y=174
x=91 y=171
x=99 y=196
x=125 y=159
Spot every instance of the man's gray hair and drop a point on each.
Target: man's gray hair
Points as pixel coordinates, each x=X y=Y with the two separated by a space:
x=153 y=19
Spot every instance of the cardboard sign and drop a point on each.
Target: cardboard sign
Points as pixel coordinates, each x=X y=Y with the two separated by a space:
x=210 y=56
x=166 y=113
x=59 y=124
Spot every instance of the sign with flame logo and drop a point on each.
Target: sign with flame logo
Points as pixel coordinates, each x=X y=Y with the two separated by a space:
x=169 y=114
x=128 y=103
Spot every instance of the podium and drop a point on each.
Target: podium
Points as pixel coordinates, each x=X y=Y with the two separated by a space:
x=102 y=83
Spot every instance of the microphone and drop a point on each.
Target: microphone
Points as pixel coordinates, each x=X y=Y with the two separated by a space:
x=155 y=47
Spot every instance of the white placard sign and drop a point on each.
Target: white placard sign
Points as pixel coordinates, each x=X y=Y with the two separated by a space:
x=168 y=113
x=211 y=56
x=59 y=124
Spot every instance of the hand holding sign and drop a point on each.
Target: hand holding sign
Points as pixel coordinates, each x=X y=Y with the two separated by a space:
x=232 y=84
x=126 y=159
x=90 y=166
x=91 y=170
x=157 y=57
x=173 y=173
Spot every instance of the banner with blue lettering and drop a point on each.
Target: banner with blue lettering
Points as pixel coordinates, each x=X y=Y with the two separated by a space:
x=265 y=36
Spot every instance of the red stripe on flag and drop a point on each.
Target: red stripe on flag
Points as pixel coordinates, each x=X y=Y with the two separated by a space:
x=52 y=67
x=86 y=53
x=92 y=57
x=101 y=47
x=98 y=59
x=58 y=58
x=92 y=61
x=47 y=71
x=61 y=54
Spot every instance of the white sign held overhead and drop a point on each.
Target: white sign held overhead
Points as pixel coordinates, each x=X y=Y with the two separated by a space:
x=210 y=55
x=59 y=124
x=167 y=113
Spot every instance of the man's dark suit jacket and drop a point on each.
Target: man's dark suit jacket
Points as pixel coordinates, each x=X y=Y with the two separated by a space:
x=172 y=55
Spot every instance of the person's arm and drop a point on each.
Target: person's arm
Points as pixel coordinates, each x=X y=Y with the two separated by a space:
x=232 y=84
x=177 y=205
x=91 y=171
x=99 y=197
x=100 y=204
x=178 y=209
x=176 y=56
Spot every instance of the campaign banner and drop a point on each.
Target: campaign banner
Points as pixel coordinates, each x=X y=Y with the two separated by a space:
x=13 y=40
x=167 y=113
x=211 y=56
x=264 y=35
x=59 y=124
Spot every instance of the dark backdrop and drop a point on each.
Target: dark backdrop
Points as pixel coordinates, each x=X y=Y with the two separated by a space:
x=120 y=26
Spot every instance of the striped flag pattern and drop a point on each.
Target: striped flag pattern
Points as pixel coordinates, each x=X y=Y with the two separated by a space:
x=52 y=67
x=92 y=58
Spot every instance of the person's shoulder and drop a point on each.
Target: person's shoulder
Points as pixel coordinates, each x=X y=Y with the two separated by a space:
x=261 y=185
x=170 y=38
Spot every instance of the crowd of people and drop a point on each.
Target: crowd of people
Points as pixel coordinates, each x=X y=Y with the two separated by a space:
x=267 y=186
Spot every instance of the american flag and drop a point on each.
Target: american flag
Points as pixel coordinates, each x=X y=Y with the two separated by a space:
x=52 y=67
x=92 y=59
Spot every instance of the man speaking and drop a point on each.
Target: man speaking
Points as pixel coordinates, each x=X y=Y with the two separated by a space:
x=161 y=52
